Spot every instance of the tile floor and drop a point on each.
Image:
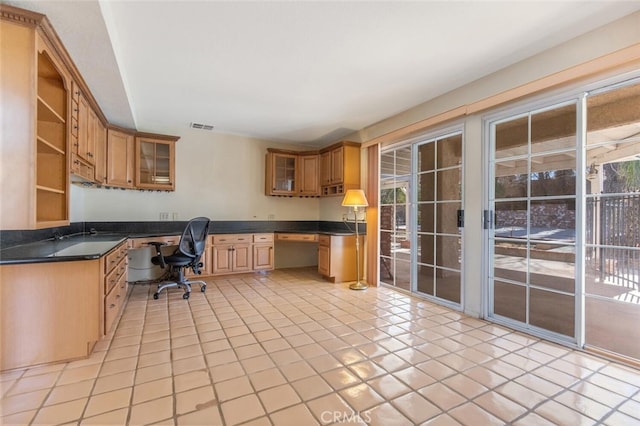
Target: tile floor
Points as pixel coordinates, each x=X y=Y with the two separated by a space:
x=288 y=349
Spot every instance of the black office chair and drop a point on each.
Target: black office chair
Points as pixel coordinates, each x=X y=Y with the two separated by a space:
x=186 y=255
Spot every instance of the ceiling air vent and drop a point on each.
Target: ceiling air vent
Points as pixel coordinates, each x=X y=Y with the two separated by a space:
x=201 y=126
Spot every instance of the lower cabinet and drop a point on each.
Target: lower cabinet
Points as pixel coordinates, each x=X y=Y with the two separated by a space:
x=57 y=311
x=49 y=312
x=263 y=252
x=114 y=286
x=232 y=253
x=337 y=257
x=235 y=253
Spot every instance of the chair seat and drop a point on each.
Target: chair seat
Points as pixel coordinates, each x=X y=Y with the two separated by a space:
x=173 y=260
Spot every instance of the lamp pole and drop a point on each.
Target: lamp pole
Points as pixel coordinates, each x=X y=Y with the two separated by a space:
x=357 y=285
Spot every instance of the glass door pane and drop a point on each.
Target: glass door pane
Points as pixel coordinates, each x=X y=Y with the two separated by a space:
x=532 y=245
x=612 y=179
x=439 y=198
x=420 y=241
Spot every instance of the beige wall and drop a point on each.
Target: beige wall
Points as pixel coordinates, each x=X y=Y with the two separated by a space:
x=217 y=175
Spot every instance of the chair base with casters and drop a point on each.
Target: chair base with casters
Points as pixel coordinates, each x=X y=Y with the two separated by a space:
x=180 y=281
x=185 y=256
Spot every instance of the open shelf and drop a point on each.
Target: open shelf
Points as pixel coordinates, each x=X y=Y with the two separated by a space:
x=47 y=113
x=47 y=189
x=52 y=169
x=46 y=147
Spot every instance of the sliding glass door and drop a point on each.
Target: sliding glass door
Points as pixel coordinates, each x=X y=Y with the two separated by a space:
x=563 y=220
x=612 y=219
x=533 y=200
x=421 y=217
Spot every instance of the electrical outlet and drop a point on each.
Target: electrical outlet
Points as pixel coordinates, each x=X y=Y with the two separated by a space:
x=164 y=216
x=271 y=217
x=174 y=216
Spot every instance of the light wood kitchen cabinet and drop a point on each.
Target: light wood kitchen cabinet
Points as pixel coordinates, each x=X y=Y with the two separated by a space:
x=308 y=174
x=232 y=253
x=281 y=173
x=339 y=168
x=85 y=139
x=337 y=257
x=35 y=119
x=100 y=166
x=49 y=312
x=331 y=171
x=120 y=158
x=114 y=287
x=263 y=252
x=57 y=311
x=155 y=162
x=291 y=173
x=84 y=146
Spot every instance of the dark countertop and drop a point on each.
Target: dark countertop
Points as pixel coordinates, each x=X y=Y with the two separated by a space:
x=67 y=248
x=78 y=244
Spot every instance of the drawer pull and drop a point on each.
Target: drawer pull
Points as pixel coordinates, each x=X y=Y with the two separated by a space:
x=113 y=305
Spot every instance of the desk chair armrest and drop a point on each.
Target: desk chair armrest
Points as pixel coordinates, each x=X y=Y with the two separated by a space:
x=157 y=245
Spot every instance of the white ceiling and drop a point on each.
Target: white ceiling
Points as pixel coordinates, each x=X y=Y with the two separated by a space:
x=299 y=71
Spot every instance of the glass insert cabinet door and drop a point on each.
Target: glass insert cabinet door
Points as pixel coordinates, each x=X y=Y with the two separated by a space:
x=155 y=164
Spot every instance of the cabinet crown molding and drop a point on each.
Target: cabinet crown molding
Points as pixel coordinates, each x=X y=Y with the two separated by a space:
x=22 y=16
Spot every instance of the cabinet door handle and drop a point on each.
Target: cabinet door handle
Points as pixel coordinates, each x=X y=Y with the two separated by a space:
x=112 y=306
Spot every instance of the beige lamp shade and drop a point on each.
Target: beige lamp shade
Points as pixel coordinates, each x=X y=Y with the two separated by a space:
x=355 y=198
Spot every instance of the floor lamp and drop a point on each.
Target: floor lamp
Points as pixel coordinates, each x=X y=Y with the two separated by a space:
x=355 y=198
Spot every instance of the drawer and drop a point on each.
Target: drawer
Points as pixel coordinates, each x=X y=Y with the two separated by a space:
x=114 y=257
x=262 y=238
x=170 y=240
x=75 y=92
x=113 y=303
x=324 y=240
x=310 y=238
x=232 y=238
x=115 y=276
x=74 y=130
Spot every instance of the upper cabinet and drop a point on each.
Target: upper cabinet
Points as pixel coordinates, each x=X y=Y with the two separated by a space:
x=155 y=162
x=100 y=167
x=120 y=158
x=340 y=168
x=291 y=173
x=281 y=172
x=308 y=175
x=330 y=171
x=35 y=86
x=54 y=133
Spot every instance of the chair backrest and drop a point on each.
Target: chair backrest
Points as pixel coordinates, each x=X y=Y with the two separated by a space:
x=194 y=237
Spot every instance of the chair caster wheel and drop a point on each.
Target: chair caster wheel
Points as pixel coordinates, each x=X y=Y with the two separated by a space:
x=186 y=296
x=203 y=288
x=156 y=295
